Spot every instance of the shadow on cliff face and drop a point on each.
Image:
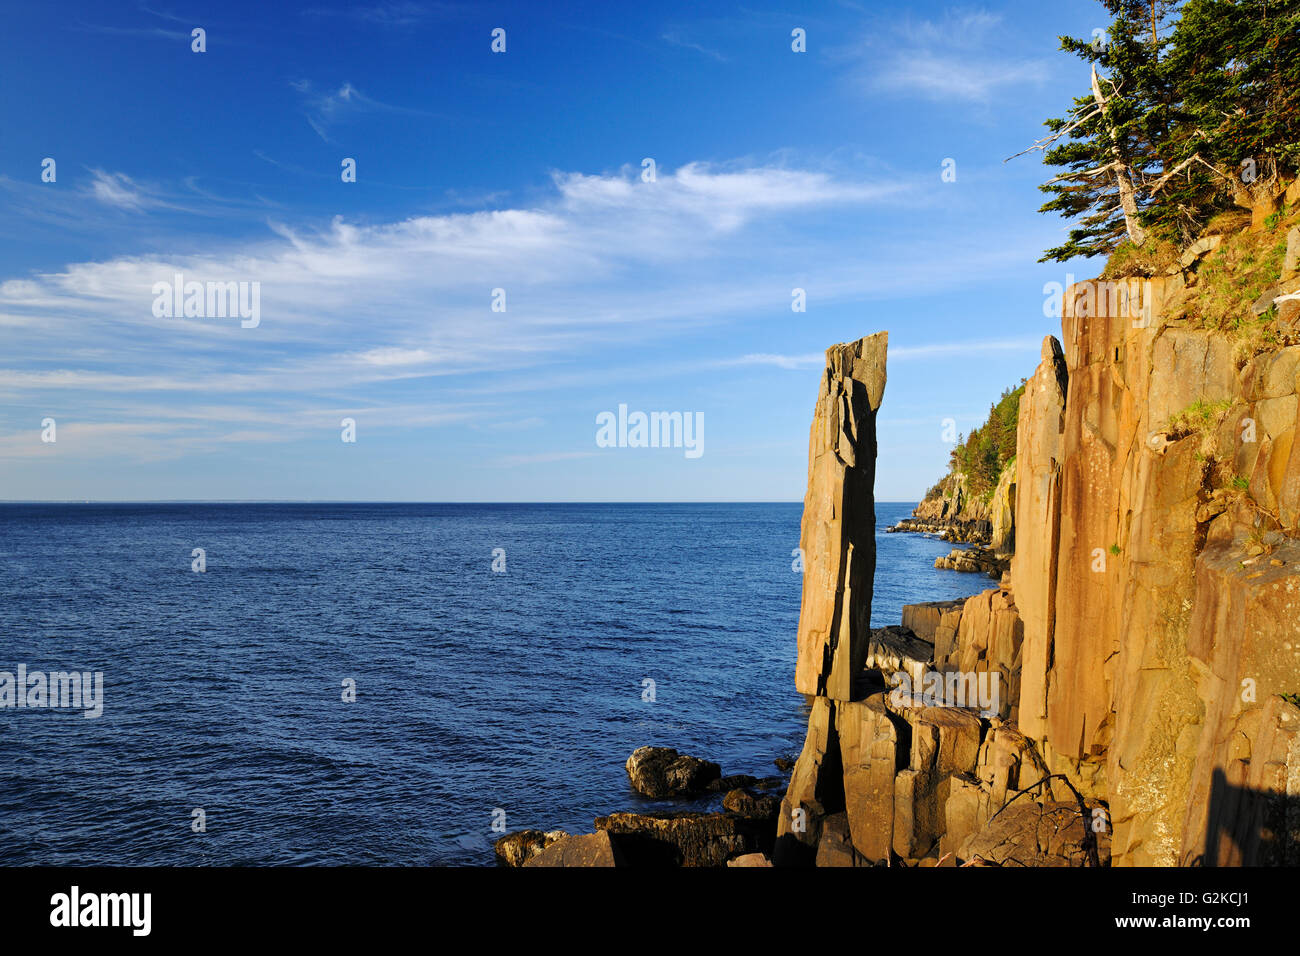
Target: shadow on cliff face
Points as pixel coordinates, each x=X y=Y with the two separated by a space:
x=1249 y=827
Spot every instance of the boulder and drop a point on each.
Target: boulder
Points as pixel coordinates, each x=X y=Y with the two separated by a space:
x=686 y=839
x=892 y=650
x=1039 y=834
x=516 y=849
x=1201 y=247
x=584 y=849
x=746 y=804
x=660 y=772
x=835 y=847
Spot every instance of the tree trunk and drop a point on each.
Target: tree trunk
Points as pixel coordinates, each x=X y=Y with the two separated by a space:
x=1123 y=178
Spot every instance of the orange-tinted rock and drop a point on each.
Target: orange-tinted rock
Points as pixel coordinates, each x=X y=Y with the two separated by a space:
x=1033 y=834
x=869 y=739
x=1244 y=637
x=584 y=849
x=934 y=621
x=1038 y=503
x=839 y=520
x=816 y=788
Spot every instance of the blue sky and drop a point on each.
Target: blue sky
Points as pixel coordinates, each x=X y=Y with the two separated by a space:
x=520 y=171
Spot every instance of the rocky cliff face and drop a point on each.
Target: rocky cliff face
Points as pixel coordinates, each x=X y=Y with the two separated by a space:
x=953 y=513
x=1146 y=641
x=1162 y=599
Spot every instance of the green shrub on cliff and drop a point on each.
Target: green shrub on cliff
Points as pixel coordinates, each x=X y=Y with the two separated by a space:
x=1201 y=418
x=1234 y=277
x=983 y=454
x=1150 y=259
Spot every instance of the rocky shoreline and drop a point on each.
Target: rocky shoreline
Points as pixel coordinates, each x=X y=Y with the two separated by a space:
x=743 y=833
x=958 y=530
x=1129 y=692
x=949 y=512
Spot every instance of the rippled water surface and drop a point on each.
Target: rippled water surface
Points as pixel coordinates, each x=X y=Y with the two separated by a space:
x=476 y=691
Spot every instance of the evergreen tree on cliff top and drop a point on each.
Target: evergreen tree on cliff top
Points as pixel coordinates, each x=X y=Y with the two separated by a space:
x=1109 y=142
x=1191 y=109
x=1237 y=136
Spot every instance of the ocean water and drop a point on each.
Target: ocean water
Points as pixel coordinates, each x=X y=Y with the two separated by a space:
x=477 y=693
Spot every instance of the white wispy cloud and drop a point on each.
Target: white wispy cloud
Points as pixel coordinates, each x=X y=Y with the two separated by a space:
x=605 y=265
x=400 y=13
x=119 y=190
x=679 y=39
x=959 y=56
x=325 y=109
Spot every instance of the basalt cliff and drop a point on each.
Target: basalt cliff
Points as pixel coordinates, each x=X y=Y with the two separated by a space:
x=1127 y=695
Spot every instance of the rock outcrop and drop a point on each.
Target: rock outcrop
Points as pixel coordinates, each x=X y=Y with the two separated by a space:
x=974 y=560
x=912 y=757
x=1144 y=644
x=1129 y=693
x=661 y=772
x=1154 y=653
x=838 y=532
x=686 y=838
x=953 y=513
x=950 y=511
x=516 y=849
x=581 y=850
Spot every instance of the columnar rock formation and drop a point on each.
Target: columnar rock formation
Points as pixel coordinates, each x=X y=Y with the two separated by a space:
x=1162 y=600
x=1146 y=641
x=881 y=768
x=1127 y=694
x=838 y=535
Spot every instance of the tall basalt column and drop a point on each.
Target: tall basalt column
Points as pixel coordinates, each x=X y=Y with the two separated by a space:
x=838 y=533
x=1038 y=517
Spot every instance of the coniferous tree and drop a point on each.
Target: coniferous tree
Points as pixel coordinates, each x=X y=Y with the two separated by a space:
x=1109 y=141
x=1236 y=134
x=1194 y=107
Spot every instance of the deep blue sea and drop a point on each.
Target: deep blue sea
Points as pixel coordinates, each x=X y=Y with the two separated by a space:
x=476 y=691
